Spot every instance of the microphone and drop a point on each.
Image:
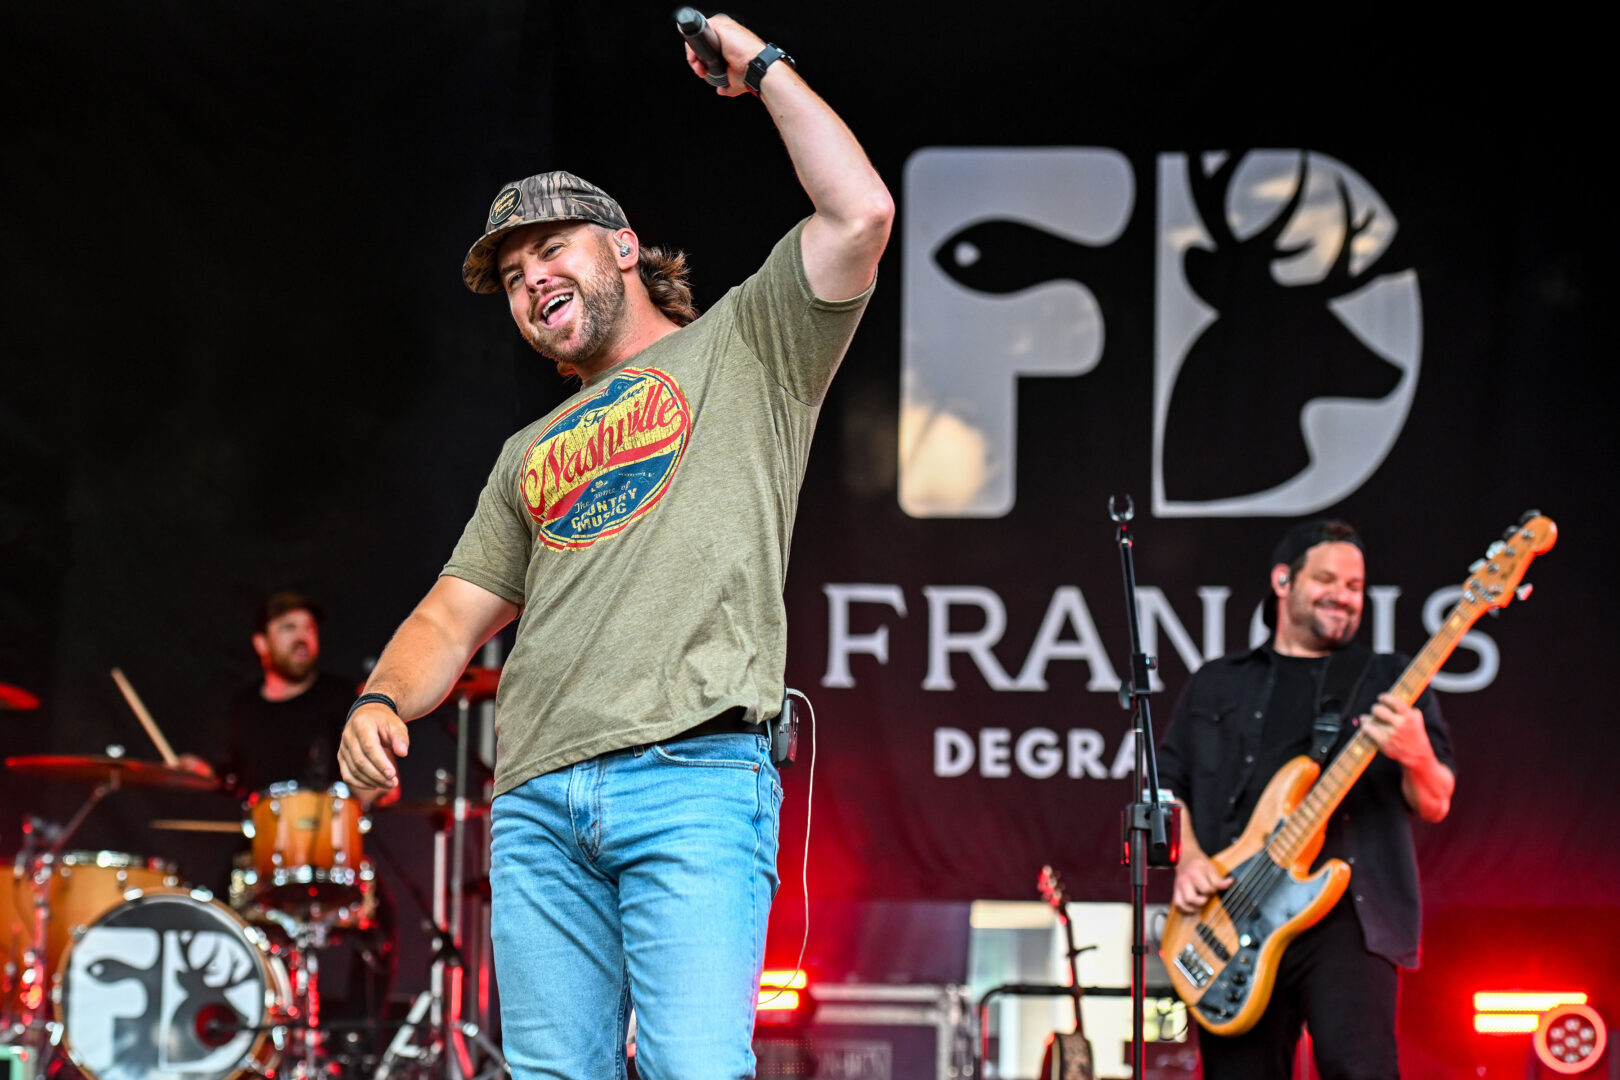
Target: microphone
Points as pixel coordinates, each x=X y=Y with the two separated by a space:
x=705 y=42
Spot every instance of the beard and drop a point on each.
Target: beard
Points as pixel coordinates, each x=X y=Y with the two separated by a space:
x=1331 y=625
x=293 y=664
x=601 y=299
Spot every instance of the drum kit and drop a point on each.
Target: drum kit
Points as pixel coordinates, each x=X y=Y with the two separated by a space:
x=115 y=968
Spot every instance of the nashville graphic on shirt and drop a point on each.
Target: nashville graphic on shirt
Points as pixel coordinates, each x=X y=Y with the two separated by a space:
x=608 y=460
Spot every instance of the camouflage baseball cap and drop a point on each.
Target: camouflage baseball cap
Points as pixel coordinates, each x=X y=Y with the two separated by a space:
x=552 y=196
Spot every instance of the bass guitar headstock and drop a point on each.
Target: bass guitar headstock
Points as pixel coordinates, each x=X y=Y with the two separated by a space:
x=1494 y=581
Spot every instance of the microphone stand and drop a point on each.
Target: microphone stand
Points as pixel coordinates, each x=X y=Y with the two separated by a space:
x=1152 y=823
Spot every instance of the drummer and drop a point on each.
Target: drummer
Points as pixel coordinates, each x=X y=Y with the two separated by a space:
x=286 y=727
x=280 y=727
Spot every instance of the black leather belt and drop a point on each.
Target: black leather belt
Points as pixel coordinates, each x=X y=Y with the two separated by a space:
x=734 y=721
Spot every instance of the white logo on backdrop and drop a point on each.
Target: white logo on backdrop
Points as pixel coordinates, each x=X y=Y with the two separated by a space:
x=1281 y=308
x=995 y=245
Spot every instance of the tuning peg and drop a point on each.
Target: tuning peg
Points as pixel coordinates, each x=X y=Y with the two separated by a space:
x=1495 y=549
x=1529 y=516
x=1476 y=566
x=1523 y=591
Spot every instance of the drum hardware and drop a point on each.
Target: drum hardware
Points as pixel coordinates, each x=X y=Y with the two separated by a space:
x=193 y=825
x=450 y=895
x=79 y=885
x=436 y=1017
x=107 y=773
x=226 y=998
x=306 y=849
x=112 y=769
x=215 y=1001
x=16 y=698
x=477 y=684
x=442 y=807
x=80 y=903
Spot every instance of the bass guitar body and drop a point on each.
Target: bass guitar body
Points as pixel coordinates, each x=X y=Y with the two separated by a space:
x=1223 y=960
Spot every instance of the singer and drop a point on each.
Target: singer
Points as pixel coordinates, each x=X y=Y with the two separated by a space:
x=639 y=533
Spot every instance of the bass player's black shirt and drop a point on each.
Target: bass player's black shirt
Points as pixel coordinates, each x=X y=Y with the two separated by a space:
x=1222 y=747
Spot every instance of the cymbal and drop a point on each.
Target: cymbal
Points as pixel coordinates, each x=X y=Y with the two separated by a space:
x=434 y=806
x=189 y=825
x=15 y=697
x=100 y=770
x=477 y=683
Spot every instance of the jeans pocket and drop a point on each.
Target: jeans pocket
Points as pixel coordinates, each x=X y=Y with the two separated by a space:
x=723 y=751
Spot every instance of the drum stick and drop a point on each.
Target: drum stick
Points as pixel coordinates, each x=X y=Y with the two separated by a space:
x=145 y=718
x=188 y=825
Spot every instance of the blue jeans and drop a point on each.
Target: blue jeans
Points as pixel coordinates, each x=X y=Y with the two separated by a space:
x=643 y=876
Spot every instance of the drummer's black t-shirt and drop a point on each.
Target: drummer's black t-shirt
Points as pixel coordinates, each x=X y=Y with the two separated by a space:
x=275 y=741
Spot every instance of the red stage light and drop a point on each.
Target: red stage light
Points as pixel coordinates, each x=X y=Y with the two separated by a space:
x=1525 y=1001
x=794 y=980
x=778 y=1000
x=1506 y=1023
x=1518 y=1012
x=780 y=997
x=1570 y=1039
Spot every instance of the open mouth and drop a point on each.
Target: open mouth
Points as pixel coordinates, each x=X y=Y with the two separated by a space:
x=553 y=307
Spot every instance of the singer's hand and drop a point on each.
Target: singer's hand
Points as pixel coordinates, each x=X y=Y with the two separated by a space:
x=372 y=739
x=738 y=45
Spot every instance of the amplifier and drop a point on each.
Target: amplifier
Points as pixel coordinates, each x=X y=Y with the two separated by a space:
x=882 y=1032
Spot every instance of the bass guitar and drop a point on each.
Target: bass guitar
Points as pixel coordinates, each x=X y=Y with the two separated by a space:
x=1223 y=960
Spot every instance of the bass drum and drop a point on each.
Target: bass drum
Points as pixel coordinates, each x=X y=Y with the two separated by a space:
x=79 y=887
x=171 y=985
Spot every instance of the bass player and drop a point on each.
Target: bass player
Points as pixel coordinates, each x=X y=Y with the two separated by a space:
x=1242 y=718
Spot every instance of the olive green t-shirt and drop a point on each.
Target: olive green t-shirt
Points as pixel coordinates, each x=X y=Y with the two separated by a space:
x=643 y=527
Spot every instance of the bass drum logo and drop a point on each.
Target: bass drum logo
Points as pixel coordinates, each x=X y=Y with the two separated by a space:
x=602 y=464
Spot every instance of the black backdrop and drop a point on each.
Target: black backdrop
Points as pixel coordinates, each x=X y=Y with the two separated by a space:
x=237 y=355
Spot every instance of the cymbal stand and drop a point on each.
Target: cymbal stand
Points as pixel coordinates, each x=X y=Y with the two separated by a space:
x=305 y=973
x=32 y=1021
x=441 y=1005
x=447 y=904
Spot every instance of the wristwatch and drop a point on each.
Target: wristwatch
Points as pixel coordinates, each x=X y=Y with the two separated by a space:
x=769 y=55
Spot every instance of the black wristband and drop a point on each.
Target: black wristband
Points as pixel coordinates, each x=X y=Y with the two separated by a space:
x=373 y=699
x=755 y=74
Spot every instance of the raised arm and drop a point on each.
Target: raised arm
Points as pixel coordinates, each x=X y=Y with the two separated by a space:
x=844 y=239
x=417 y=670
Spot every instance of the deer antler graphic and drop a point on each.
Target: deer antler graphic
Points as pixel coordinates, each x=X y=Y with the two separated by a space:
x=1233 y=426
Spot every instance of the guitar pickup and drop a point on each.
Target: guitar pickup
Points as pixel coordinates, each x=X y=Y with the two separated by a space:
x=1193 y=966
x=1213 y=942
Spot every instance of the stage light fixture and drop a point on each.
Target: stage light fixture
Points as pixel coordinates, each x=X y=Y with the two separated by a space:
x=1570 y=1038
